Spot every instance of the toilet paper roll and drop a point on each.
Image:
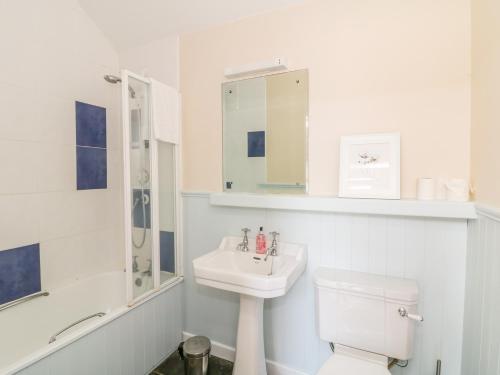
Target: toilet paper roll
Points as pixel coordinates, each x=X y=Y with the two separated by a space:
x=425 y=189
x=458 y=190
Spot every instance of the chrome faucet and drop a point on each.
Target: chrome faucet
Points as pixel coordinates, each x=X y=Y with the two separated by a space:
x=273 y=249
x=243 y=246
x=149 y=271
x=274 y=244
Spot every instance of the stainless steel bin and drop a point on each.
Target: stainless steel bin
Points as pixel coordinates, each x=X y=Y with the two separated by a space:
x=195 y=352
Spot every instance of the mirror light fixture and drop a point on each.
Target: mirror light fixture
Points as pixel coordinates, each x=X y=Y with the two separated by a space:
x=274 y=65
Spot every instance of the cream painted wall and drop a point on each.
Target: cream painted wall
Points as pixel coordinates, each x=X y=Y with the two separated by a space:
x=485 y=100
x=374 y=67
x=158 y=59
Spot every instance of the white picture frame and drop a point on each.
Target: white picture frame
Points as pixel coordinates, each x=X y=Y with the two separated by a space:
x=370 y=166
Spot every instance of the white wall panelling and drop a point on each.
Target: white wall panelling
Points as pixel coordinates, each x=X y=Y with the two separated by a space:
x=229 y=353
x=481 y=350
x=432 y=251
x=133 y=344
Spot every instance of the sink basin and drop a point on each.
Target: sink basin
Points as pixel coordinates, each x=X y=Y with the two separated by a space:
x=248 y=272
x=255 y=277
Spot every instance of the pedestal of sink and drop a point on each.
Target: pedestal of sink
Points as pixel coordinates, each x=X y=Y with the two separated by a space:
x=250 y=357
x=255 y=277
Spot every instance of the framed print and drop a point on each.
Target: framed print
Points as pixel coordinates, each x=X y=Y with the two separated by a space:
x=370 y=166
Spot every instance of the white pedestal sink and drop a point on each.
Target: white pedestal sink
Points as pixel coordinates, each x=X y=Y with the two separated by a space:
x=255 y=278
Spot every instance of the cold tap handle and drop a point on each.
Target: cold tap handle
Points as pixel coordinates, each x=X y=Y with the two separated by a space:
x=274 y=234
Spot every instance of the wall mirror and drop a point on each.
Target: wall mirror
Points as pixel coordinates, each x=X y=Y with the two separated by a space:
x=265 y=133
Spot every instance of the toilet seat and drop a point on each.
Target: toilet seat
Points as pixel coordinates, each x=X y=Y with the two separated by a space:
x=349 y=361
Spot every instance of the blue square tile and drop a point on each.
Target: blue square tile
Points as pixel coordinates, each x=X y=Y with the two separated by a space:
x=90 y=125
x=167 y=251
x=19 y=272
x=256 y=144
x=91 y=168
x=138 y=213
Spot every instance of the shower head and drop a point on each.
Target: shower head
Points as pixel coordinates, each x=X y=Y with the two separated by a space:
x=114 y=79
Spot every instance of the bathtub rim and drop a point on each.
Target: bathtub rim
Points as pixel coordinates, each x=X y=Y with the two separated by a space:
x=64 y=341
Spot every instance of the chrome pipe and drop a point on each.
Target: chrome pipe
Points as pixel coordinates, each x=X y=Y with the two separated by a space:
x=23 y=299
x=54 y=336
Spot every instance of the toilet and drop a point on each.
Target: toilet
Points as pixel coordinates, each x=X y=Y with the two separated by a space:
x=369 y=318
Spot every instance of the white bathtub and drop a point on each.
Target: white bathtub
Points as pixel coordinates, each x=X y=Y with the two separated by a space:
x=26 y=328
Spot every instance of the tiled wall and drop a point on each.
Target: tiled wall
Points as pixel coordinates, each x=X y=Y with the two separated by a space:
x=167 y=251
x=20 y=272
x=431 y=251
x=53 y=56
x=91 y=159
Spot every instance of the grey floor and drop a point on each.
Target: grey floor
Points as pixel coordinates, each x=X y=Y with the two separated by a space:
x=174 y=365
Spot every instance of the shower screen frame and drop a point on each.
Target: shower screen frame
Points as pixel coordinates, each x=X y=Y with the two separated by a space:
x=154 y=197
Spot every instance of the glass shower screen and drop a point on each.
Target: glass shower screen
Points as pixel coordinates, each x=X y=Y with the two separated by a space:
x=149 y=194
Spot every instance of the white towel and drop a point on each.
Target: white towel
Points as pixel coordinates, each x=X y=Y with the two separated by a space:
x=166 y=112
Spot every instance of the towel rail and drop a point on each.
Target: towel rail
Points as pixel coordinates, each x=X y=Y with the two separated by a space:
x=23 y=299
x=54 y=336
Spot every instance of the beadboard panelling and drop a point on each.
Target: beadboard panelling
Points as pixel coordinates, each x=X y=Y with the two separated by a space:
x=133 y=344
x=481 y=350
x=432 y=251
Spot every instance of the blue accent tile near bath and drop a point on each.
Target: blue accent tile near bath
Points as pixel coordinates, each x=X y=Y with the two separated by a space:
x=91 y=168
x=19 y=272
x=90 y=125
x=256 y=144
x=167 y=251
x=138 y=213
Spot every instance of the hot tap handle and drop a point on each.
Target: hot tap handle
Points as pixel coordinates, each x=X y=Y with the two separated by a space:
x=246 y=230
x=274 y=234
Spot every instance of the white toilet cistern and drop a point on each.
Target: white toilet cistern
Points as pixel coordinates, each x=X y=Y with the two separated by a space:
x=368 y=319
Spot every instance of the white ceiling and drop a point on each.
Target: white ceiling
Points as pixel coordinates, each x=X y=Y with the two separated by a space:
x=131 y=22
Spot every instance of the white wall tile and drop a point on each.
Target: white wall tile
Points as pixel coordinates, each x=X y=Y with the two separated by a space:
x=18 y=221
x=17 y=123
x=55 y=167
x=18 y=167
x=56 y=120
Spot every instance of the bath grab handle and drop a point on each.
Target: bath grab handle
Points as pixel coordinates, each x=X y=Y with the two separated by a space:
x=404 y=314
x=54 y=337
x=24 y=299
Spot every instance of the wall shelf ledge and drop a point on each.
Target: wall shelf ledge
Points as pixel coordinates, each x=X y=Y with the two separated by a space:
x=403 y=207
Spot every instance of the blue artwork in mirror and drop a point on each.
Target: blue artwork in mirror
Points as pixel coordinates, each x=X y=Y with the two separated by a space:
x=256 y=144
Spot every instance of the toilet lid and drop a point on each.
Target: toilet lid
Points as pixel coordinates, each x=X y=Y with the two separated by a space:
x=339 y=364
